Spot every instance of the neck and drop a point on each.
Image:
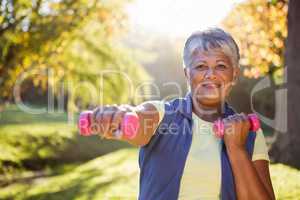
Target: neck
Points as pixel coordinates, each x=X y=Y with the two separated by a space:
x=208 y=113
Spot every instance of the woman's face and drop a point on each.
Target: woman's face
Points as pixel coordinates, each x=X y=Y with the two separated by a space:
x=211 y=75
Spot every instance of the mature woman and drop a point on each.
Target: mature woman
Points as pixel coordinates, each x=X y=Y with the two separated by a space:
x=180 y=157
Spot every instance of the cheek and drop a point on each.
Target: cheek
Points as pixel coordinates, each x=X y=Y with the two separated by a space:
x=227 y=84
x=226 y=77
x=196 y=78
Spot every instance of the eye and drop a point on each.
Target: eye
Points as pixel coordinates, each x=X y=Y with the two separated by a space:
x=200 y=67
x=221 y=66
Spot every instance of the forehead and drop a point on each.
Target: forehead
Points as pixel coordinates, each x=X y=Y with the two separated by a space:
x=212 y=54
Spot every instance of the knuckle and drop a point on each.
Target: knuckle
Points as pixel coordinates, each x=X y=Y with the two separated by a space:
x=106 y=117
x=98 y=117
x=126 y=107
x=116 y=118
x=96 y=111
x=248 y=123
x=226 y=121
x=119 y=114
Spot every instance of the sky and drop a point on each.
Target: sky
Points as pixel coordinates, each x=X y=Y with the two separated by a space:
x=178 y=17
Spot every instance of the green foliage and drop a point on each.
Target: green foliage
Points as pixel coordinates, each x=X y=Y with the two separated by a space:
x=75 y=40
x=260 y=28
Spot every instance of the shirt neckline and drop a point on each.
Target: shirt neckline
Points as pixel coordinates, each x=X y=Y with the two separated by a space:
x=202 y=120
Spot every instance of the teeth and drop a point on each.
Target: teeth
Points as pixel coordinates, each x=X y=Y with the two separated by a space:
x=210 y=84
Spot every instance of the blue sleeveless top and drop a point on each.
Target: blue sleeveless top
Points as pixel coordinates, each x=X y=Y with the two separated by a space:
x=162 y=160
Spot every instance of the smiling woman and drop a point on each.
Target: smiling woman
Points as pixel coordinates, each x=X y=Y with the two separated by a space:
x=180 y=156
x=211 y=65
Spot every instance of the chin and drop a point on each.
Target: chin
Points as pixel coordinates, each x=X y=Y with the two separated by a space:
x=209 y=100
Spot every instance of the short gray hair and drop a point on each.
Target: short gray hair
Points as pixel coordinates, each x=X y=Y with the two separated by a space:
x=210 y=39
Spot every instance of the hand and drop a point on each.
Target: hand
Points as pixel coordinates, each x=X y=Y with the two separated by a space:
x=107 y=119
x=236 y=131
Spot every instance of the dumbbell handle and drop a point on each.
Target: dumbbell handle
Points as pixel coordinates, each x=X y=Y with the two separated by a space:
x=129 y=125
x=219 y=128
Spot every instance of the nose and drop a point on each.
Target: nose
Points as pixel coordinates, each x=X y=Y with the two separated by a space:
x=210 y=74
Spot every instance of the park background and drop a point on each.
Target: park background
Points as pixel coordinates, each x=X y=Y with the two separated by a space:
x=53 y=53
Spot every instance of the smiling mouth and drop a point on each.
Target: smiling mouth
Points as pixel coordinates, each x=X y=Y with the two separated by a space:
x=211 y=85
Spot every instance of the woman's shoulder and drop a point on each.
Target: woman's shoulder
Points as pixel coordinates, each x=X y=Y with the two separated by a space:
x=169 y=105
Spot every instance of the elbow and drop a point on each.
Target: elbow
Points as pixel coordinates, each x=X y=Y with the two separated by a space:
x=138 y=142
x=143 y=143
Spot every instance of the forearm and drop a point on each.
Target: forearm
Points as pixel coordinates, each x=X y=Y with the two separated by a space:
x=148 y=121
x=247 y=182
x=148 y=118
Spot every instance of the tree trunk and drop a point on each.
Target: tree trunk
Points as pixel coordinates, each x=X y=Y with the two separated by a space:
x=286 y=148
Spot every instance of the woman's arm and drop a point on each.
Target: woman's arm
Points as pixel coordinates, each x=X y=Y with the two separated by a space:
x=108 y=119
x=252 y=178
x=262 y=168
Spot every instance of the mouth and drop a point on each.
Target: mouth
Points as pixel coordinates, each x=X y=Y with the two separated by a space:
x=211 y=85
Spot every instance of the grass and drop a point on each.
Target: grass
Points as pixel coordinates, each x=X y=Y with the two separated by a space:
x=113 y=176
x=43 y=158
x=35 y=142
x=286 y=182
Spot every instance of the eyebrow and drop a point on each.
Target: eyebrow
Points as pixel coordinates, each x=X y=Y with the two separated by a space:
x=198 y=61
x=203 y=61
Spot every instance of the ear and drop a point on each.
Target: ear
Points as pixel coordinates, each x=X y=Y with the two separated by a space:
x=187 y=73
x=236 y=74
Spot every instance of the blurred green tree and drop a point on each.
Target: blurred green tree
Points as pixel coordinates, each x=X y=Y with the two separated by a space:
x=260 y=28
x=263 y=25
x=270 y=43
x=75 y=42
x=286 y=148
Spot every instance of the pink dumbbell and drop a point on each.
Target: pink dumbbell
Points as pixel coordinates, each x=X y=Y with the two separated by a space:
x=219 y=128
x=129 y=125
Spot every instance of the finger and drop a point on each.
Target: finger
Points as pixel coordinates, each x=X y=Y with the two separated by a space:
x=95 y=112
x=234 y=124
x=228 y=124
x=246 y=121
x=230 y=120
x=94 y=124
x=239 y=122
x=106 y=118
x=117 y=120
x=100 y=123
x=237 y=118
x=227 y=121
x=127 y=107
x=244 y=116
x=98 y=114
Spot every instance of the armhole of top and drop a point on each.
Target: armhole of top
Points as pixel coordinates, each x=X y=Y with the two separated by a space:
x=260 y=151
x=160 y=107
